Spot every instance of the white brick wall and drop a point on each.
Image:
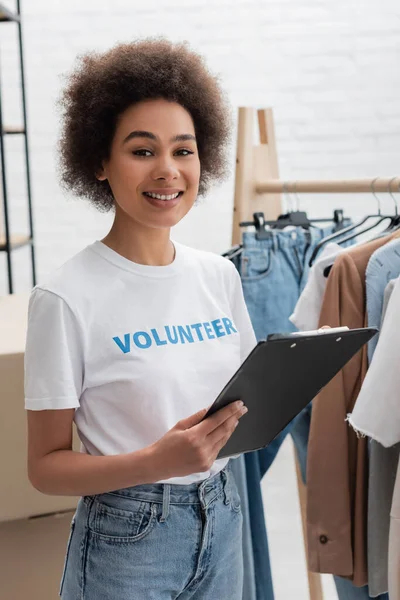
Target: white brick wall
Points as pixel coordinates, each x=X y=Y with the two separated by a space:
x=328 y=68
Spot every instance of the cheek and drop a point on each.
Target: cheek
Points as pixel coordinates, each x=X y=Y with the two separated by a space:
x=126 y=168
x=194 y=173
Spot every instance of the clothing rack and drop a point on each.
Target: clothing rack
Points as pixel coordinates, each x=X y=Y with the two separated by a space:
x=334 y=186
x=256 y=169
x=257 y=184
x=258 y=189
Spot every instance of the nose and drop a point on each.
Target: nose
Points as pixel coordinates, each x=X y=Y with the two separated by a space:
x=165 y=170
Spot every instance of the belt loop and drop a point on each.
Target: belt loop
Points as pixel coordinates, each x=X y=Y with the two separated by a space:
x=270 y=243
x=224 y=475
x=275 y=240
x=89 y=501
x=166 y=499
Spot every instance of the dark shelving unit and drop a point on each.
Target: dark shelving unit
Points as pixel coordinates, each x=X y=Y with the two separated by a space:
x=9 y=241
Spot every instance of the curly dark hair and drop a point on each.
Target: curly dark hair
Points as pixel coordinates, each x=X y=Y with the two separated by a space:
x=103 y=86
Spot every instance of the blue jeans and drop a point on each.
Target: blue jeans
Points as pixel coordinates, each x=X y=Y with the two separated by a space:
x=274 y=272
x=157 y=542
x=347 y=591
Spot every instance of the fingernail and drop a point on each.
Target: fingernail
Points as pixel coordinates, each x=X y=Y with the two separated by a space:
x=245 y=410
x=240 y=404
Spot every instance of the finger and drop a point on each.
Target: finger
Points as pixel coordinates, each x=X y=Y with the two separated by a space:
x=222 y=441
x=192 y=420
x=219 y=418
x=224 y=431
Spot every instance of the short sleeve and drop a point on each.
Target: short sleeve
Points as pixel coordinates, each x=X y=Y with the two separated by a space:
x=53 y=354
x=241 y=316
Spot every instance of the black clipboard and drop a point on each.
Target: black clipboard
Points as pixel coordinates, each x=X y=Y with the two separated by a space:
x=280 y=377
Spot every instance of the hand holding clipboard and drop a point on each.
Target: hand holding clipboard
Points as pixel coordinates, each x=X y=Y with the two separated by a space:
x=280 y=377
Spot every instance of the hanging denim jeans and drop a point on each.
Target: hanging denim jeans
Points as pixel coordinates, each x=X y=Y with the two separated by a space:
x=273 y=272
x=347 y=591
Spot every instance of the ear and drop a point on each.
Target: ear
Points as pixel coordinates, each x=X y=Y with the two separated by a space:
x=100 y=174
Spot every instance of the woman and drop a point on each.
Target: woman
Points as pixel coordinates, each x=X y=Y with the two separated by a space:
x=135 y=336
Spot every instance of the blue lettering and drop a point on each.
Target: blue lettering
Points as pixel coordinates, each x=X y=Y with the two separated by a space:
x=185 y=334
x=176 y=334
x=218 y=328
x=228 y=326
x=137 y=341
x=208 y=329
x=157 y=339
x=173 y=340
x=197 y=326
x=126 y=347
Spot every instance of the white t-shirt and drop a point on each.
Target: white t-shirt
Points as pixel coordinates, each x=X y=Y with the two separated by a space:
x=308 y=308
x=135 y=348
x=377 y=410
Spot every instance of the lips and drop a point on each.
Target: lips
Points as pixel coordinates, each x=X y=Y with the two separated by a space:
x=163 y=200
x=163 y=195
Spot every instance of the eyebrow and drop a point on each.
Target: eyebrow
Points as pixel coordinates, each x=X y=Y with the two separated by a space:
x=182 y=137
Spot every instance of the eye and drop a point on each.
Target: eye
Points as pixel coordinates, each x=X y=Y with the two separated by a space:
x=184 y=152
x=142 y=152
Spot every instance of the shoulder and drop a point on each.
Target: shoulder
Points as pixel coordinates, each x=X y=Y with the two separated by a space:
x=69 y=281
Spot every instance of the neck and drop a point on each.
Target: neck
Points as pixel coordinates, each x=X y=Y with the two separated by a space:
x=141 y=245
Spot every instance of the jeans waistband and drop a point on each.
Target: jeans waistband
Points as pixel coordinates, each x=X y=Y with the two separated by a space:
x=285 y=238
x=166 y=494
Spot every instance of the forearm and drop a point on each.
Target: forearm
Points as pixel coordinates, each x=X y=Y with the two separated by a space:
x=69 y=473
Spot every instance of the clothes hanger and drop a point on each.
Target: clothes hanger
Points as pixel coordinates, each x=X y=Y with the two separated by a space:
x=393 y=220
x=294 y=218
x=338 y=213
x=261 y=234
x=298 y=218
x=393 y=225
x=259 y=223
x=338 y=235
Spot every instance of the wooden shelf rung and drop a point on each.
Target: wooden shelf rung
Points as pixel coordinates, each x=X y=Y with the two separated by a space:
x=14 y=130
x=7 y=15
x=17 y=241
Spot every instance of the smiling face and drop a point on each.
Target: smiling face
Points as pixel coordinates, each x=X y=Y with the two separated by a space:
x=154 y=168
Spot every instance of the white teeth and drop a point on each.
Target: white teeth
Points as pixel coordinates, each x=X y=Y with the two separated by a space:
x=162 y=197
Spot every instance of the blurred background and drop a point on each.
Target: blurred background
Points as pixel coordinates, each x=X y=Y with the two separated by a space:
x=328 y=68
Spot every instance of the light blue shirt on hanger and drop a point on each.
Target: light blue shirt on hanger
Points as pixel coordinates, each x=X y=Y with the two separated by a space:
x=383 y=266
